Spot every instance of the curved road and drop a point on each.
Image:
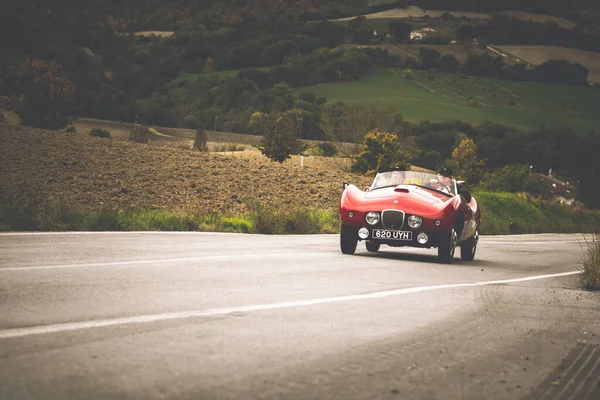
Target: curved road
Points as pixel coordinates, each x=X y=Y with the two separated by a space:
x=231 y=316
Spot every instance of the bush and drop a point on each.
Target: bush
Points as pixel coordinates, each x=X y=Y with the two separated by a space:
x=139 y=134
x=71 y=129
x=102 y=133
x=408 y=73
x=327 y=149
x=591 y=263
x=200 y=143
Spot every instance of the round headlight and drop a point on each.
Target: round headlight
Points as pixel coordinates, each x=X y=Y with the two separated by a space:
x=414 y=221
x=363 y=233
x=372 y=218
x=422 y=238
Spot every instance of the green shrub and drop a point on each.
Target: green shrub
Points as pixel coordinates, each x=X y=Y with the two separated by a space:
x=102 y=133
x=591 y=263
x=237 y=224
x=293 y=220
x=71 y=129
x=327 y=149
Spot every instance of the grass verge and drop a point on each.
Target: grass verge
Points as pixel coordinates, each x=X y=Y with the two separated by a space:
x=590 y=269
x=502 y=214
x=41 y=215
x=508 y=213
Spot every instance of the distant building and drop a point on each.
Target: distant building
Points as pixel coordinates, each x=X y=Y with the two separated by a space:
x=421 y=33
x=563 y=192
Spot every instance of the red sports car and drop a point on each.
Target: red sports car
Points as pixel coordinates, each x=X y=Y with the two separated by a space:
x=409 y=208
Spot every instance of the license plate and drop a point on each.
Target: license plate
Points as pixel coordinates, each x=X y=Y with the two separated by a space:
x=391 y=235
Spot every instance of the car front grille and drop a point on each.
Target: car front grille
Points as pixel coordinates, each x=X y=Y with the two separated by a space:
x=392 y=219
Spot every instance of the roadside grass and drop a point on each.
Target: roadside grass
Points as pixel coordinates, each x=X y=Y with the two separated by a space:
x=42 y=215
x=590 y=269
x=502 y=214
x=449 y=97
x=507 y=213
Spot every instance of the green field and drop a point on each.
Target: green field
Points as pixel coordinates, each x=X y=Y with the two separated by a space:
x=449 y=97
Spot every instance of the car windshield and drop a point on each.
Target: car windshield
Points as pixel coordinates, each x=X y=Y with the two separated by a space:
x=424 y=179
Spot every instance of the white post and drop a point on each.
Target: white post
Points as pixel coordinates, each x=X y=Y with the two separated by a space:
x=302 y=161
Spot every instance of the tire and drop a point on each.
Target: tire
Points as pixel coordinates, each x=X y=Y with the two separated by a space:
x=373 y=247
x=348 y=239
x=447 y=247
x=468 y=248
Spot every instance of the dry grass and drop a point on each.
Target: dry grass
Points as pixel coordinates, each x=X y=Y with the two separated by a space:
x=591 y=262
x=417 y=12
x=89 y=173
x=154 y=33
x=540 y=54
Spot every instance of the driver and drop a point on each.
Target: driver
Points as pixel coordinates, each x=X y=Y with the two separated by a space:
x=397 y=177
x=444 y=180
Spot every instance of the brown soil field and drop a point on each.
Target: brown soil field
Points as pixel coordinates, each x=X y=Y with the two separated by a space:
x=417 y=12
x=539 y=54
x=90 y=173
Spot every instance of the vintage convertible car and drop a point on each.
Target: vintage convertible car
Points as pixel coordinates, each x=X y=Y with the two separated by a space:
x=409 y=208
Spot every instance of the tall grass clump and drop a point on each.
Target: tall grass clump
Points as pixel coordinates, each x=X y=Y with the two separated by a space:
x=268 y=219
x=101 y=133
x=591 y=263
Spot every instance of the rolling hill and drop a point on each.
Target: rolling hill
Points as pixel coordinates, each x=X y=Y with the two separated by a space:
x=447 y=97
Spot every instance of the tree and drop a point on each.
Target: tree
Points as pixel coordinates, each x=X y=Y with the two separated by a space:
x=400 y=31
x=381 y=150
x=513 y=178
x=201 y=141
x=41 y=94
x=464 y=158
x=430 y=58
x=280 y=139
x=448 y=63
x=356 y=23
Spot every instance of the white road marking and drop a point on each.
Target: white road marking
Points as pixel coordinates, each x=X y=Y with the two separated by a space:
x=75 y=326
x=165 y=260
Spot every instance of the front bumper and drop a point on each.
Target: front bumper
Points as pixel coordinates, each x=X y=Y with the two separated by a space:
x=434 y=238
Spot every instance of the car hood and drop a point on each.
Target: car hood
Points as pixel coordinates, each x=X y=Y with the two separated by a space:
x=408 y=198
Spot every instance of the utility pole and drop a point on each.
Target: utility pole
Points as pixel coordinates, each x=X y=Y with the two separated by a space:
x=216 y=119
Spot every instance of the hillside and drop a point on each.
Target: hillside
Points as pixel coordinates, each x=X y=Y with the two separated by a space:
x=536 y=55
x=91 y=173
x=413 y=12
x=450 y=97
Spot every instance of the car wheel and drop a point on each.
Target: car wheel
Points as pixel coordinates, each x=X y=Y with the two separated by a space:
x=372 y=246
x=447 y=247
x=468 y=247
x=348 y=239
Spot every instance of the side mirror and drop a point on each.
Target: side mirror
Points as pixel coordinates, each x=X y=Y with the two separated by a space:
x=466 y=194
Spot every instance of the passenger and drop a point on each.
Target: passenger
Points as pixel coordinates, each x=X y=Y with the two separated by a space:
x=444 y=180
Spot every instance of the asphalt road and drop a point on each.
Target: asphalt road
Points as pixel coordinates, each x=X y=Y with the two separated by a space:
x=229 y=316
